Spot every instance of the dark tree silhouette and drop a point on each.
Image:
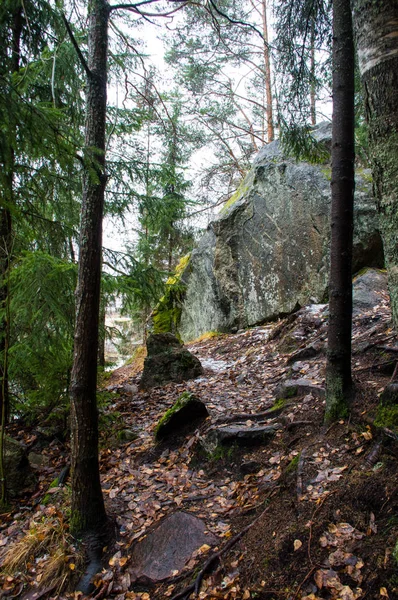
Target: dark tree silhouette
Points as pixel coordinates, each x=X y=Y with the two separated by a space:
x=88 y=510
x=339 y=387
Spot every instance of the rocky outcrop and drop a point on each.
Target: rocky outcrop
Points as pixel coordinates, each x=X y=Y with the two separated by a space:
x=167 y=360
x=268 y=251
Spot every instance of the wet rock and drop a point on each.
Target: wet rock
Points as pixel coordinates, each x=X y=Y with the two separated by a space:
x=267 y=252
x=298 y=387
x=309 y=351
x=185 y=415
x=127 y=435
x=168 y=360
x=19 y=475
x=366 y=289
x=168 y=547
x=38 y=460
x=240 y=435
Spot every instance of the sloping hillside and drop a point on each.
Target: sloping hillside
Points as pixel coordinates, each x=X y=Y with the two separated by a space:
x=309 y=513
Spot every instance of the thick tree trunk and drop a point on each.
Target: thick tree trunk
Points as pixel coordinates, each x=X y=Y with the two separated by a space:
x=88 y=511
x=376 y=32
x=338 y=368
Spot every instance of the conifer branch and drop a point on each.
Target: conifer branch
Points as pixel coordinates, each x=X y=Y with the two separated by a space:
x=234 y=21
x=76 y=47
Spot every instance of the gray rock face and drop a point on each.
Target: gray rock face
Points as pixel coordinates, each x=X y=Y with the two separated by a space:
x=268 y=251
x=169 y=547
x=366 y=289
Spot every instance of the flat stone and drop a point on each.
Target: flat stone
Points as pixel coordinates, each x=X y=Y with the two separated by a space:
x=169 y=547
x=298 y=387
x=240 y=435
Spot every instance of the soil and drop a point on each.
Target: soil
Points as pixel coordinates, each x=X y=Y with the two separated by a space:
x=323 y=501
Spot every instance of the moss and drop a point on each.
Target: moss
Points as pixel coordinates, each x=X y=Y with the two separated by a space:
x=327 y=172
x=387 y=416
x=280 y=403
x=167 y=315
x=48 y=497
x=243 y=187
x=180 y=402
x=338 y=400
x=222 y=452
x=292 y=466
x=208 y=335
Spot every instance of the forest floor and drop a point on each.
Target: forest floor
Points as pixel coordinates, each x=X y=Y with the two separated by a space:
x=316 y=508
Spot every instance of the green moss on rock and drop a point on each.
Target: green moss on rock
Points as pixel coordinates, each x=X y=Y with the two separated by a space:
x=167 y=315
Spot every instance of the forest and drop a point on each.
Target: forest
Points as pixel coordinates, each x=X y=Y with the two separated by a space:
x=248 y=446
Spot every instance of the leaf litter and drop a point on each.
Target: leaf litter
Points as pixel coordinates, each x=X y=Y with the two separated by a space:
x=329 y=519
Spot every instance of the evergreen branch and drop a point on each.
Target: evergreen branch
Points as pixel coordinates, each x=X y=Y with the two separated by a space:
x=234 y=21
x=76 y=46
x=134 y=8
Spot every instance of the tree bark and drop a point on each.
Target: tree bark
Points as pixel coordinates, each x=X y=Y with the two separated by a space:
x=88 y=511
x=376 y=32
x=267 y=68
x=338 y=369
x=7 y=159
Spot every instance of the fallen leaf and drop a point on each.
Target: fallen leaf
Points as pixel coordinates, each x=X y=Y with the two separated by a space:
x=384 y=593
x=297 y=544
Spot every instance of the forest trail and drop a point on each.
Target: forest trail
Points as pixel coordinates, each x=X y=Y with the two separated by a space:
x=323 y=501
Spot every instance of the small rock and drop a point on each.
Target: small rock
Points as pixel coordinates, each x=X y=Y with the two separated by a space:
x=17 y=467
x=169 y=547
x=308 y=352
x=168 y=360
x=38 y=460
x=128 y=388
x=185 y=415
x=239 y=434
x=298 y=387
x=127 y=435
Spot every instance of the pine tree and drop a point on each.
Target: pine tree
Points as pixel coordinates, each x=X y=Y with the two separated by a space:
x=339 y=387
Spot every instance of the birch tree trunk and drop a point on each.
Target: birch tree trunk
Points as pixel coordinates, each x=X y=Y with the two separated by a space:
x=338 y=366
x=376 y=32
x=88 y=511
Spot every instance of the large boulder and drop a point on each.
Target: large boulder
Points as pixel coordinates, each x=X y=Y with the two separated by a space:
x=167 y=360
x=268 y=251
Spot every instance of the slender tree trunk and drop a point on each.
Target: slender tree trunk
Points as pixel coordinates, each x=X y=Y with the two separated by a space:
x=338 y=368
x=88 y=511
x=376 y=32
x=312 y=71
x=7 y=157
x=267 y=68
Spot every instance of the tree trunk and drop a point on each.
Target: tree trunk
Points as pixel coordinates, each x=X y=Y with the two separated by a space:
x=88 y=511
x=376 y=32
x=312 y=73
x=267 y=68
x=338 y=368
x=7 y=158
